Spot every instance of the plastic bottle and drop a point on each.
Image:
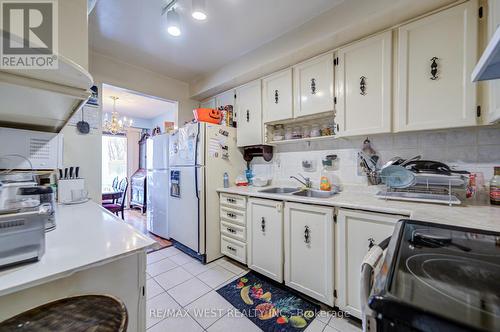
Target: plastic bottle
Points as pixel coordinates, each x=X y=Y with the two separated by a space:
x=495 y=187
x=325 y=182
x=226 y=180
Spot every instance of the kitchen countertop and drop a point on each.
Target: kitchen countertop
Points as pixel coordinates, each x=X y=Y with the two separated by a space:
x=86 y=235
x=363 y=198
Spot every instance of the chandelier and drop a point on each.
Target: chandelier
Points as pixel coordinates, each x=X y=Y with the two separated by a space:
x=115 y=125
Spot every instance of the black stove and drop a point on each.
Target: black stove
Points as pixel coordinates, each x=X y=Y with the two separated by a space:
x=439 y=278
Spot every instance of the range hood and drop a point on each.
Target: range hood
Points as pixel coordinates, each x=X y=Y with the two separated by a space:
x=42 y=99
x=488 y=67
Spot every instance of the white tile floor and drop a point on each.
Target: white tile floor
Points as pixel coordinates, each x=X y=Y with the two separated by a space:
x=181 y=296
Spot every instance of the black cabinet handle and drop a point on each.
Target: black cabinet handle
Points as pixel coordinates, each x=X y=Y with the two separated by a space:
x=230 y=248
x=362 y=85
x=276 y=96
x=231 y=215
x=307 y=237
x=231 y=200
x=371 y=242
x=434 y=68
x=263 y=224
x=313 y=86
x=230 y=230
x=248 y=115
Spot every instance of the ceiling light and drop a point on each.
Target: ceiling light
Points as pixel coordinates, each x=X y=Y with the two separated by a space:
x=174 y=27
x=115 y=125
x=199 y=10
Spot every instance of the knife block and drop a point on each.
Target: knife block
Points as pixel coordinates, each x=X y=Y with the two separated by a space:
x=65 y=186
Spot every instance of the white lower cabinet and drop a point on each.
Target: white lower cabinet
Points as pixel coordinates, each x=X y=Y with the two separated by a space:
x=265 y=237
x=309 y=250
x=355 y=231
x=233 y=227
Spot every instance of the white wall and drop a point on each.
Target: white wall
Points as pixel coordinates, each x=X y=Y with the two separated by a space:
x=107 y=70
x=160 y=120
x=473 y=149
x=344 y=23
x=79 y=150
x=85 y=151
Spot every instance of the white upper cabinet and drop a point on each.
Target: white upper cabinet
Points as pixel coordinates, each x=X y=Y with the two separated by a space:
x=249 y=114
x=210 y=103
x=313 y=86
x=277 y=96
x=436 y=57
x=225 y=98
x=363 y=86
x=309 y=250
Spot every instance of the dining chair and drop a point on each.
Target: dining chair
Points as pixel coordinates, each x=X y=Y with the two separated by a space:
x=119 y=205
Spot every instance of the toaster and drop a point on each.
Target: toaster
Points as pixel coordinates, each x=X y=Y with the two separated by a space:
x=22 y=235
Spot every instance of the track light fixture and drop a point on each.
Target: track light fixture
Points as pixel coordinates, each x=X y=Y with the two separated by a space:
x=198 y=12
x=174 y=26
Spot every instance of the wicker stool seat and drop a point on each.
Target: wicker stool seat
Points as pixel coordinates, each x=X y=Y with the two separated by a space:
x=87 y=313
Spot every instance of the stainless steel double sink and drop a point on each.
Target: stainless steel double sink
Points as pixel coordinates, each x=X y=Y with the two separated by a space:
x=298 y=192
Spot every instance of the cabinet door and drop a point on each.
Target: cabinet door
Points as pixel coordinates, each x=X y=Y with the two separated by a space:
x=210 y=103
x=309 y=265
x=436 y=57
x=224 y=99
x=494 y=85
x=363 y=84
x=265 y=237
x=249 y=110
x=313 y=86
x=355 y=230
x=277 y=96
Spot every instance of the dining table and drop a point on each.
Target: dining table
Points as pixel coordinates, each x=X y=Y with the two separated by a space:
x=111 y=195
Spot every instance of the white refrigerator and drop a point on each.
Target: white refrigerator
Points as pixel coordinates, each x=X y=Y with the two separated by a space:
x=200 y=154
x=157 y=185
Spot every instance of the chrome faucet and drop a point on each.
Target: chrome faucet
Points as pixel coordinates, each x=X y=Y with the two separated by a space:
x=307 y=181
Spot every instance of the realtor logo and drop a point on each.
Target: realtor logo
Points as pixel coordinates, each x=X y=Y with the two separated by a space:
x=29 y=37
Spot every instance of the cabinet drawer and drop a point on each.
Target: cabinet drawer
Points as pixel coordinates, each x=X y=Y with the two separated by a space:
x=233 y=231
x=234 y=201
x=233 y=249
x=233 y=216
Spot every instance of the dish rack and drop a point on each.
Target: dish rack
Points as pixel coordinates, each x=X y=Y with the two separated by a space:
x=428 y=188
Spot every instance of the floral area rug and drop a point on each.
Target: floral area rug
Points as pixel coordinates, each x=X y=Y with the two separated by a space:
x=268 y=304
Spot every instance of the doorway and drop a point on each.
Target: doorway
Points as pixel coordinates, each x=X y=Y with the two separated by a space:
x=124 y=150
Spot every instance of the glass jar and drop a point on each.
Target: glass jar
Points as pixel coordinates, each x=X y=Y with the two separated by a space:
x=278 y=133
x=325 y=130
x=495 y=187
x=306 y=131
x=288 y=133
x=296 y=133
x=315 y=132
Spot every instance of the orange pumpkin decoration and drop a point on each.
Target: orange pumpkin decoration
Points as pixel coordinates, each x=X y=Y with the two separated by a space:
x=207 y=115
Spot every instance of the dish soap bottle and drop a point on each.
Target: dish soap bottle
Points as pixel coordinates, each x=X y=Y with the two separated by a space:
x=495 y=187
x=325 y=182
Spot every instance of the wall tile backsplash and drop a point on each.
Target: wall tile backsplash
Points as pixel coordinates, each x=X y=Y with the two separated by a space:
x=472 y=149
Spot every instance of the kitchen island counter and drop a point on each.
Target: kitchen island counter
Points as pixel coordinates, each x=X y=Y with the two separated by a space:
x=89 y=251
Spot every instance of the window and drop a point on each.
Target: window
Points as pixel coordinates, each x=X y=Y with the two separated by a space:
x=114 y=160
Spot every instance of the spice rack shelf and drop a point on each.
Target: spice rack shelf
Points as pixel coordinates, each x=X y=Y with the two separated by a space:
x=321 y=122
x=298 y=140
